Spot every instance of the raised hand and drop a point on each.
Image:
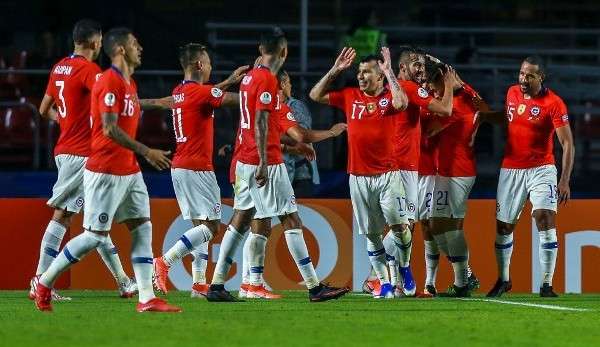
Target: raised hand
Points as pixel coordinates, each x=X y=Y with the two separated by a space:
x=345 y=59
x=386 y=64
x=237 y=75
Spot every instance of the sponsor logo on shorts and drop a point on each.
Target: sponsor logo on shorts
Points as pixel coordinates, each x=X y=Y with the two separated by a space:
x=411 y=207
x=79 y=201
x=217 y=207
x=109 y=99
x=422 y=92
x=103 y=217
x=216 y=92
x=266 y=98
x=497 y=207
x=293 y=199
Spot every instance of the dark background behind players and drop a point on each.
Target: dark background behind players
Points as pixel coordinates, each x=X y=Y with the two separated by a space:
x=485 y=42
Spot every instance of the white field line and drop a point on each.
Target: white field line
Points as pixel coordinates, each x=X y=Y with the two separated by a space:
x=528 y=304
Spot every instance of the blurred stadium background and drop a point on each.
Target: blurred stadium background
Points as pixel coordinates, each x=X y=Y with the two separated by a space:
x=484 y=41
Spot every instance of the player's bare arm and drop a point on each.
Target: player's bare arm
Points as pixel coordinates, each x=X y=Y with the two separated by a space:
x=231 y=100
x=300 y=148
x=261 y=127
x=153 y=104
x=111 y=129
x=233 y=79
x=46 y=108
x=443 y=107
x=319 y=92
x=565 y=137
x=399 y=98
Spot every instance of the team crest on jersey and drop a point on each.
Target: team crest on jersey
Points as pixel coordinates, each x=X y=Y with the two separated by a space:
x=265 y=98
x=521 y=109
x=290 y=116
x=384 y=102
x=371 y=107
x=535 y=111
x=216 y=92
x=246 y=80
x=109 y=99
x=422 y=92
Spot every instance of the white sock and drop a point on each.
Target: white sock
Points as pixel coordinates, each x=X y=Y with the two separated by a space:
x=246 y=260
x=256 y=258
x=376 y=253
x=73 y=251
x=199 y=263
x=110 y=256
x=191 y=239
x=50 y=246
x=298 y=250
x=230 y=243
x=403 y=240
x=548 y=251
x=141 y=260
x=432 y=259
x=391 y=255
x=459 y=256
x=504 y=248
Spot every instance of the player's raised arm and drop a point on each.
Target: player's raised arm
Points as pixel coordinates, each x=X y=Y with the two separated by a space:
x=152 y=104
x=301 y=134
x=231 y=99
x=399 y=98
x=565 y=137
x=111 y=129
x=319 y=92
x=233 y=79
x=46 y=110
x=443 y=107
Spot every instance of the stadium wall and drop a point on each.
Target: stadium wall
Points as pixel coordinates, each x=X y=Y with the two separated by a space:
x=338 y=252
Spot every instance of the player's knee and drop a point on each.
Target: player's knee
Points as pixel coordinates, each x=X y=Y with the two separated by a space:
x=134 y=223
x=63 y=217
x=544 y=219
x=291 y=221
x=503 y=228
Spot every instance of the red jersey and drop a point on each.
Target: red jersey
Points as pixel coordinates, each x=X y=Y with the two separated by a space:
x=531 y=124
x=286 y=121
x=193 y=124
x=428 y=146
x=371 y=130
x=113 y=94
x=456 y=157
x=258 y=92
x=70 y=85
x=408 y=128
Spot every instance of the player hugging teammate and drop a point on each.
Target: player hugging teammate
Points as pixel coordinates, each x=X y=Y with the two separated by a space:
x=420 y=169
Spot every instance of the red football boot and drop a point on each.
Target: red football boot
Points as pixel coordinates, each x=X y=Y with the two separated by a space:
x=161 y=275
x=156 y=305
x=43 y=298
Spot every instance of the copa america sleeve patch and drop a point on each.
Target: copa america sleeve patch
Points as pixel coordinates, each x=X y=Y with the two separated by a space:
x=216 y=92
x=265 y=98
x=109 y=99
x=98 y=76
x=290 y=116
x=565 y=117
x=422 y=92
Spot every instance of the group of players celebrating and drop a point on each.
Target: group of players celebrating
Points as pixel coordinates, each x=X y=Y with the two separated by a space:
x=410 y=158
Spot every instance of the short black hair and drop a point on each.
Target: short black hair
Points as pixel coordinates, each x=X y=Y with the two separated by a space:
x=538 y=61
x=281 y=74
x=434 y=70
x=370 y=58
x=405 y=51
x=272 y=40
x=113 y=38
x=84 y=30
x=190 y=52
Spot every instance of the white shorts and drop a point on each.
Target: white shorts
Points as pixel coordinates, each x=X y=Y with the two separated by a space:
x=113 y=197
x=426 y=189
x=67 y=193
x=515 y=184
x=450 y=196
x=377 y=201
x=276 y=198
x=410 y=181
x=198 y=194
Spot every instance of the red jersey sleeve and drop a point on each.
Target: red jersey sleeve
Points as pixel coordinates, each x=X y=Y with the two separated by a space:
x=266 y=94
x=110 y=92
x=213 y=96
x=560 y=117
x=416 y=95
x=337 y=98
x=90 y=75
x=286 y=119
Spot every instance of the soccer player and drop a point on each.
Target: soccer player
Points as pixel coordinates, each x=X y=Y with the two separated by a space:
x=69 y=89
x=376 y=187
x=533 y=113
x=455 y=174
x=112 y=178
x=262 y=188
x=253 y=285
x=194 y=181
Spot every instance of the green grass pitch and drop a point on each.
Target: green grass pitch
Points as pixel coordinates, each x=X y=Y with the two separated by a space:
x=99 y=318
